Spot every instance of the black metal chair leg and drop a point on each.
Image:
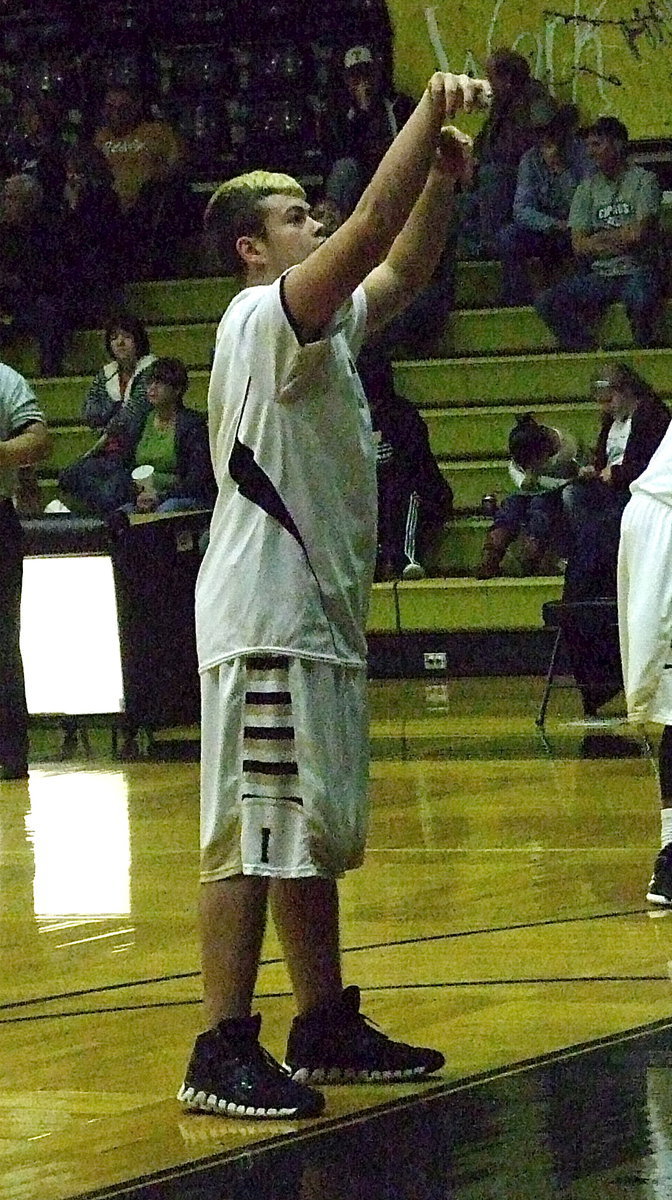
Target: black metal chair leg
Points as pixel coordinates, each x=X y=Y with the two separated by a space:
x=541 y=717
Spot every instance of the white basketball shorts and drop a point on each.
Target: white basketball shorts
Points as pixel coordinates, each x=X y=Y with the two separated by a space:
x=284 y=768
x=645 y=608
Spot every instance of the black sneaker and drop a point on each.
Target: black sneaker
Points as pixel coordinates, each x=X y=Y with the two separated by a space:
x=660 y=887
x=231 y=1075
x=340 y=1045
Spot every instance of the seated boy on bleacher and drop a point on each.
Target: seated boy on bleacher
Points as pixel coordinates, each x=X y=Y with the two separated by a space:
x=414 y=499
x=543 y=460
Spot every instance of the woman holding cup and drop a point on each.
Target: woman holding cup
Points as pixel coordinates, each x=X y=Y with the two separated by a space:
x=172 y=469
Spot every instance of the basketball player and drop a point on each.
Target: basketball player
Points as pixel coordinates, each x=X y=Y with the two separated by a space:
x=645 y=629
x=24 y=442
x=281 y=606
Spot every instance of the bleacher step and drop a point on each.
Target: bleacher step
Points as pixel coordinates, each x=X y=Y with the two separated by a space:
x=448 y=605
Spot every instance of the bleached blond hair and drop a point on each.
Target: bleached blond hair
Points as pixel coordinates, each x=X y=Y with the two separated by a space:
x=235 y=211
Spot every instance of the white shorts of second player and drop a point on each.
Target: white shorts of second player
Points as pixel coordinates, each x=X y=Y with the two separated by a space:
x=284 y=768
x=645 y=608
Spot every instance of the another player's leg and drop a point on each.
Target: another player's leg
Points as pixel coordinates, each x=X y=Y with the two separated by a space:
x=645 y=629
x=660 y=887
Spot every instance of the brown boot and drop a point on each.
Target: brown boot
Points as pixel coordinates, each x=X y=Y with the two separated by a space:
x=496 y=541
x=531 y=553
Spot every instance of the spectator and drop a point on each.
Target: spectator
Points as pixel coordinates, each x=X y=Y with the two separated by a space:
x=418 y=328
x=95 y=236
x=23 y=441
x=548 y=177
x=146 y=158
x=117 y=399
x=414 y=500
x=634 y=422
x=327 y=214
x=543 y=460
x=174 y=443
x=371 y=122
x=117 y=405
x=36 y=147
x=34 y=277
x=614 y=221
x=521 y=107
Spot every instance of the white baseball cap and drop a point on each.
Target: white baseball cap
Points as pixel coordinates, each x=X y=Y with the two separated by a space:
x=356 y=56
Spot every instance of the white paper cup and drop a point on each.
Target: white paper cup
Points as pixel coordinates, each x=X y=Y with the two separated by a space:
x=144 y=477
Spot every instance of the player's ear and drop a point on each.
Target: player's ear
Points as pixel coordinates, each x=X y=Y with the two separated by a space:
x=252 y=251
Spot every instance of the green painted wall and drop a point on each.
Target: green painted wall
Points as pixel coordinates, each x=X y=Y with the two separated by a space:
x=608 y=56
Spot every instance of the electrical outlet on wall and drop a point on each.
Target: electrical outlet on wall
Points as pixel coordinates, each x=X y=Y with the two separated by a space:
x=435 y=660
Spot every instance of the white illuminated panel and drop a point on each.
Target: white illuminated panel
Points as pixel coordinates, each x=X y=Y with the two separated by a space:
x=79 y=826
x=70 y=636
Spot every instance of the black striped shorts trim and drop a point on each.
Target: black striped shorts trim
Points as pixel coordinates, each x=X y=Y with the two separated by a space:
x=267 y=662
x=269 y=736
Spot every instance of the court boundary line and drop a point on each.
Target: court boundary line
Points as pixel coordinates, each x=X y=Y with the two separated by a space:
x=270 y=962
x=446 y=984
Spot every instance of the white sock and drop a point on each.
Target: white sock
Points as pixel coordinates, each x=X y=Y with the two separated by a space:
x=665 y=826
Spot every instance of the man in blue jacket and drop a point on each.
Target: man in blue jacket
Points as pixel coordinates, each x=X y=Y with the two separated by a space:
x=548 y=177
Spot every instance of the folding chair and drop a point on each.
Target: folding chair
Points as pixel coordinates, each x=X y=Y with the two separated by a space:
x=557 y=614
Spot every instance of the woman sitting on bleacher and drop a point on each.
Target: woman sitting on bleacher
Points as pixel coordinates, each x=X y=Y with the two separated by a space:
x=414 y=499
x=163 y=466
x=117 y=405
x=634 y=421
x=117 y=399
x=543 y=460
x=173 y=469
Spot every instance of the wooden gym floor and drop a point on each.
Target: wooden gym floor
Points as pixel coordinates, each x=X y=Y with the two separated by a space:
x=500 y=916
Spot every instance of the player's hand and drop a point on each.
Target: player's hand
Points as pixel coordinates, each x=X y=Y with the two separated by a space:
x=455 y=155
x=460 y=93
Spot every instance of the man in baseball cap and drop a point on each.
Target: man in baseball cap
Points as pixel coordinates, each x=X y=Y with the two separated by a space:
x=371 y=119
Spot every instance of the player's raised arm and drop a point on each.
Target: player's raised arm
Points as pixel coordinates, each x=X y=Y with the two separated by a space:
x=415 y=252
x=317 y=287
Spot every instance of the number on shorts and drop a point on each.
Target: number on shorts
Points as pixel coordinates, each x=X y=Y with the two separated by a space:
x=265 y=840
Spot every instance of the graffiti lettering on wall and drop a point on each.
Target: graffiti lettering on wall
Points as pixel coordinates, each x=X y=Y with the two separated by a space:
x=651 y=24
x=564 y=48
x=612 y=79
